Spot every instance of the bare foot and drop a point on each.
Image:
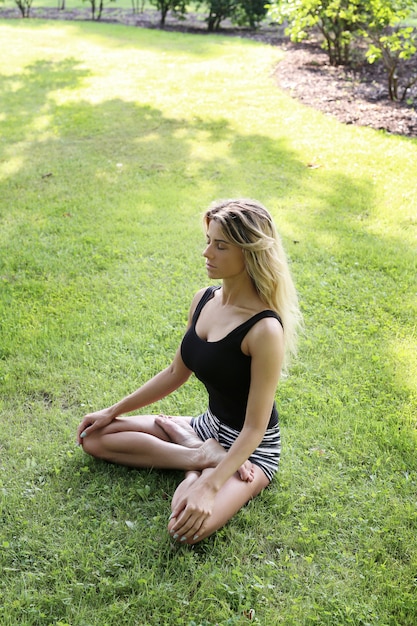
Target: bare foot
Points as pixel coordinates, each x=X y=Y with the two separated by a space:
x=179 y=431
x=214 y=452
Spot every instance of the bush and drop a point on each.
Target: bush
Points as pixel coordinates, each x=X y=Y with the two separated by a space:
x=381 y=23
x=244 y=13
x=339 y=22
x=178 y=7
x=249 y=13
x=219 y=10
x=394 y=44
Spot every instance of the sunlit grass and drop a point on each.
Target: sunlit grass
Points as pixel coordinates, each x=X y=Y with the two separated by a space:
x=113 y=142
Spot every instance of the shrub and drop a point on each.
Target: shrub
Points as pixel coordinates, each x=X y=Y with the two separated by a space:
x=394 y=43
x=249 y=13
x=219 y=10
x=178 y=7
x=339 y=22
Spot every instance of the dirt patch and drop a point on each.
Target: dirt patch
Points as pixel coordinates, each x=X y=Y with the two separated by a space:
x=358 y=96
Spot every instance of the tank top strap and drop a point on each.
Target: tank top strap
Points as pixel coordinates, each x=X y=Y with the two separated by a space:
x=246 y=326
x=207 y=295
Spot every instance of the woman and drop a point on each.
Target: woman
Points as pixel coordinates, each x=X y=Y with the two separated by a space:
x=237 y=337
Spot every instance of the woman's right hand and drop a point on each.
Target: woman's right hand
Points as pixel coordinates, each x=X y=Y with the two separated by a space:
x=92 y=422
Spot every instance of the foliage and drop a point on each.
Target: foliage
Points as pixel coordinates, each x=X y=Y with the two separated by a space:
x=114 y=141
x=339 y=22
x=393 y=42
x=177 y=7
x=240 y=12
x=342 y=22
x=219 y=10
x=249 y=13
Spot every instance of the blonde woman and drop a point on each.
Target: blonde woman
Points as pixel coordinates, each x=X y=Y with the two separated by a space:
x=238 y=336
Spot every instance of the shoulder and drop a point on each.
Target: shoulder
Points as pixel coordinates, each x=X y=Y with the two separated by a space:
x=265 y=337
x=197 y=296
x=267 y=328
x=196 y=299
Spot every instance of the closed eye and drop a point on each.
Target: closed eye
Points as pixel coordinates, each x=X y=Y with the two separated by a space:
x=220 y=244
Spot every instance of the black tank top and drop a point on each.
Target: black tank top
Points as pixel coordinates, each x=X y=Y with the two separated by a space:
x=223 y=368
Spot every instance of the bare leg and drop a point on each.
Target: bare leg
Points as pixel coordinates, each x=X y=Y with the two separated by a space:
x=140 y=442
x=181 y=432
x=234 y=494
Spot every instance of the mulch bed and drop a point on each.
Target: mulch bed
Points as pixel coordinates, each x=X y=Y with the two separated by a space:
x=354 y=96
x=357 y=96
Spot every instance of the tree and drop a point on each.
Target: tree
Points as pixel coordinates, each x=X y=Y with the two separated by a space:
x=178 y=7
x=219 y=10
x=241 y=12
x=138 y=6
x=24 y=7
x=96 y=8
x=249 y=13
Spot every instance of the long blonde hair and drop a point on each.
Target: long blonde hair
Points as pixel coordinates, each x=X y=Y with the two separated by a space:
x=247 y=224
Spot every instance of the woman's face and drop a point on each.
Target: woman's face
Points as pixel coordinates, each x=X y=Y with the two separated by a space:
x=223 y=259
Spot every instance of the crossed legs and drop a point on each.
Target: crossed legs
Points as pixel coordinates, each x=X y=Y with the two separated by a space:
x=140 y=442
x=171 y=443
x=234 y=494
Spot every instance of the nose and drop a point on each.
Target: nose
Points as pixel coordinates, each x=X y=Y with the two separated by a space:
x=207 y=253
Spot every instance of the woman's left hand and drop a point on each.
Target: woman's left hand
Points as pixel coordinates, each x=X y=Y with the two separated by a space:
x=189 y=518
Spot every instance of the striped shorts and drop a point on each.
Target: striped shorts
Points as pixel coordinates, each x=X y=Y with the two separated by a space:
x=266 y=455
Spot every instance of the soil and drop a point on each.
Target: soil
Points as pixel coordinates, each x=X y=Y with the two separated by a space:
x=354 y=96
x=358 y=96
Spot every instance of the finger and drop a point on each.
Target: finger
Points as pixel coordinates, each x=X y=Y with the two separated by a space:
x=81 y=437
x=193 y=533
x=182 y=526
x=178 y=510
x=80 y=431
x=189 y=528
x=84 y=429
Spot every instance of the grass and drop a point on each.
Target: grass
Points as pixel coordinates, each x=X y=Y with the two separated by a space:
x=113 y=142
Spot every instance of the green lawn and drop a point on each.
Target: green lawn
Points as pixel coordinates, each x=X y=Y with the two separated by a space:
x=80 y=4
x=113 y=141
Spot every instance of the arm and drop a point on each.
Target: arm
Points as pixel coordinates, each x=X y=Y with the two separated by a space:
x=265 y=344
x=153 y=390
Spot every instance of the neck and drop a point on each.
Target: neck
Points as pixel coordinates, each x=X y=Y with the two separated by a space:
x=238 y=291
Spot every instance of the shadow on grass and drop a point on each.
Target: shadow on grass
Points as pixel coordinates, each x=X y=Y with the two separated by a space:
x=84 y=179
x=83 y=159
